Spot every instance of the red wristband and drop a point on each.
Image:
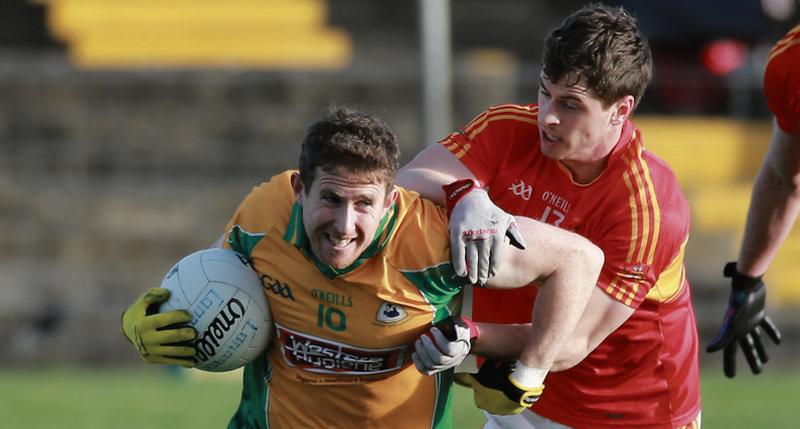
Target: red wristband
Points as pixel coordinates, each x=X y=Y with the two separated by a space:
x=473 y=329
x=455 y=191
x=448 y=327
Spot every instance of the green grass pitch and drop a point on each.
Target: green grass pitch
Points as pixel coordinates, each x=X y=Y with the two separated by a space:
x=156 y=398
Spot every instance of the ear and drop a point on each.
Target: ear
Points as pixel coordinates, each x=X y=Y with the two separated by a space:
x=392 y=197
x=622 y=109
x=297 y=186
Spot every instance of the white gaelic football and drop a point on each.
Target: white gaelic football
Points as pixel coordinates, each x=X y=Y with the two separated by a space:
x=229 y=310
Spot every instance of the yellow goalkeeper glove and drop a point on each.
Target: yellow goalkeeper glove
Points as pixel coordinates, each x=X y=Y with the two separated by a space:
x=496 y=391
x=160 y=337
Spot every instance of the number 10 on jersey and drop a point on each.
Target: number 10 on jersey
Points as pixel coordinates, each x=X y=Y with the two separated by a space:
x=331 y=318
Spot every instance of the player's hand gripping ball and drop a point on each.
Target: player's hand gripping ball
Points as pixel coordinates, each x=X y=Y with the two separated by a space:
x=228 y=308
x=159 y=337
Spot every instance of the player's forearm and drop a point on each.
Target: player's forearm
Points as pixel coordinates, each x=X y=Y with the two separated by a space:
x=567 y=267
x=430 y=170
x=506 y=343
x=602 y=315
x=425 y=181
x=774 y=205
x=501 y=341
x=560 y=303
x=772 y=213
x=552 y=256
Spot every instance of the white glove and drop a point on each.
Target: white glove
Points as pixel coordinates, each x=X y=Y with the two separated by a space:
x=447 y=349
x=477 y=231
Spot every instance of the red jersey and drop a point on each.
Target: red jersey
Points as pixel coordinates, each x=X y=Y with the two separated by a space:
x=782 y=82
x=646 y=372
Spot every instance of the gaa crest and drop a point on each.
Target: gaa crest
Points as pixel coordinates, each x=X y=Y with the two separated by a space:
x=390 y=313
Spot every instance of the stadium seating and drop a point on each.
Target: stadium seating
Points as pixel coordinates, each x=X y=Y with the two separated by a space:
x=716 y=161
x=199 y=33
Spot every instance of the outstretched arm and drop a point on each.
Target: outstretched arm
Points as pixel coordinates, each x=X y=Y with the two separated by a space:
x=773 y=210
x=774 y=205
x=431 y=169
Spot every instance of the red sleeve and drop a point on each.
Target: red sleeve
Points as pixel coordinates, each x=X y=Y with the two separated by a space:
x=645 y=248
x=782 y=82
x=485 y=143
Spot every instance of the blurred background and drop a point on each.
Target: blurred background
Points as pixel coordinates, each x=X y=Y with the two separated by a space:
x=131 y=129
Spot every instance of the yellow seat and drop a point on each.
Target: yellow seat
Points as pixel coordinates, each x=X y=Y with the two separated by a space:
x=324 y=49
x=716 y=161
x=706 y=150
x=201 y=33
x=783 y=275
x=719 y=208
x=69 y=18
x=783 y=287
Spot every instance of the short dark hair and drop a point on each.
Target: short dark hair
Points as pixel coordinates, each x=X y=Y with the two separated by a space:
x=602 y=44
x=356 y=141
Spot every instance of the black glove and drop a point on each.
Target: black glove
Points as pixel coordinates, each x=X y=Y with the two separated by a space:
x=743 y=323
x=495 y=392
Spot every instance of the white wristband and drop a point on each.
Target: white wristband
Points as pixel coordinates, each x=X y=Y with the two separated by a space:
x=527 y=376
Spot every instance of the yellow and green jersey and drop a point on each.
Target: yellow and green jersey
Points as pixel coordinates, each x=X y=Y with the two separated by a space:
x=341 y=352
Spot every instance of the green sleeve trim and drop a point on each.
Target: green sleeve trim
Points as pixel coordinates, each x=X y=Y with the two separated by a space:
x=443 y=414
x=252 y=411
x=243 y=242
x=438 y=284
x=294 y=231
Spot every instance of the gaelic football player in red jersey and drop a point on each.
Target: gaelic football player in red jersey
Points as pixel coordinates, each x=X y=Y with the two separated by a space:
x=574 y=160
x=773 y=210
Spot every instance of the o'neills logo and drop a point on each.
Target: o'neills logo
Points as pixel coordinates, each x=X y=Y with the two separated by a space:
x=207 y=343
x=322 y=356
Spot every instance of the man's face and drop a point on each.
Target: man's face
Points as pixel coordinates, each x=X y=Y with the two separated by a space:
x=573 y=123
x=341 y=213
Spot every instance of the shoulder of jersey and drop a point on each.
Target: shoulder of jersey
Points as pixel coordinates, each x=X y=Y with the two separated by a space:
x=523 y=114
x=656 y=167
x=651 y=181
x=789 y=43
x=271 y=202
x=421 y=236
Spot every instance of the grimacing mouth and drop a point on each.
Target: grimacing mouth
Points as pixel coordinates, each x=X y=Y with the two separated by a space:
x=339 y=242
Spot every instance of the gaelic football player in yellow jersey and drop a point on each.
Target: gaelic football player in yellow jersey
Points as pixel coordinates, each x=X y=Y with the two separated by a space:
x=356 y=270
